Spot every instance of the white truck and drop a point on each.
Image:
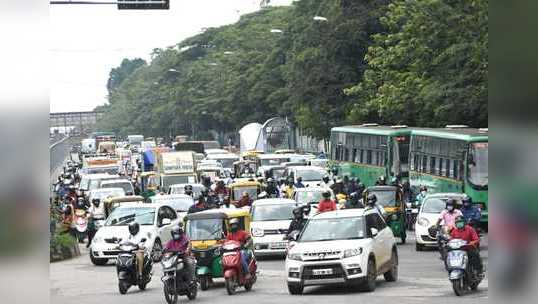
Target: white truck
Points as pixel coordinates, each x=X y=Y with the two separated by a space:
x=176 y=168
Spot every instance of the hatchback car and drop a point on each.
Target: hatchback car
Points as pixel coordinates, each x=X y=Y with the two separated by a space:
x=271 y=219
x=342 y=247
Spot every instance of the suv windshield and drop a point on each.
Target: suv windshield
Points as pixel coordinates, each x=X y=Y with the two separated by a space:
x=125 y=216
x=209 y=229
x=125 y=185
x=478 y=165
x=304 y=197
x=345 y=228
x=278 y=212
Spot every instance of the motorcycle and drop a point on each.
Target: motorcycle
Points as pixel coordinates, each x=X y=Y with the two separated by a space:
x=411 y=213
x=462 y=274
x=233 y=273
x=126 y=266
x=442 y=235
x=81 y=224
x=175 y=279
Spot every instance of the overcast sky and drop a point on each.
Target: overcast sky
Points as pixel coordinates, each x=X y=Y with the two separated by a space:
x=88 y=40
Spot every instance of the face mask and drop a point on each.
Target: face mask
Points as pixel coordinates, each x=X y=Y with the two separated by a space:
x=450 y=208
x=460 y=225
x=234 y=228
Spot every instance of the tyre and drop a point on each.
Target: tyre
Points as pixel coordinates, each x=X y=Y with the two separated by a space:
x=248 y=286
x=123 y=287
x=371 y=275
x=204 y=282
x=295 y=289
x=156 y=251
x=193 y=292
x=403 y=239
x=170 y=295
x=392 y=274
x=230 y=286
x=142 y=286
x=97 y=261
x=419 y=247
x=458 y=287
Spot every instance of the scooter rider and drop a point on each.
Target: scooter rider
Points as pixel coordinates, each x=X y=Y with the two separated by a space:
x=326 y=204
x=420 y=197
x=271 y=188
x=467 y=233
x=188 y=190
x=239 y=235
x=95 y=212
x=135 y=237
x=449 y=215
x=471 y=214
x=371 y=201
x=298 y=221
x=181 y=243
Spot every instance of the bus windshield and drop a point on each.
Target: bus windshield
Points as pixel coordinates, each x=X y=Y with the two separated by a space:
x=477 y=165
x=400 y=165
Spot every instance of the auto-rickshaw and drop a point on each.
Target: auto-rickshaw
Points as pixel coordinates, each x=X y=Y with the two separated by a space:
x=207 y=231
x=245 y=168
x=112 y=203
x=252 y=187
x=390 y=198
x=149 y=183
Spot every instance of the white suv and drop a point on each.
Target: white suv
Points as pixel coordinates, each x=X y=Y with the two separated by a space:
x=344 y=246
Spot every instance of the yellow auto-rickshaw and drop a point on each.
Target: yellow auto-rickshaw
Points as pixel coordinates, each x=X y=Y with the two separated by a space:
x=112 y=203
x=245 y=168
x=391 y=199
x=252 y=187
x=207 y=231
x=149 y=183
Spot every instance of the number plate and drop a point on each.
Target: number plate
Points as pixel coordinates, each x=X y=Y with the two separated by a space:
x=327 y=271
x=281 y=245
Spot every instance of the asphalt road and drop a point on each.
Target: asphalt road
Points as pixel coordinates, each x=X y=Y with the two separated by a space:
x=422 y=279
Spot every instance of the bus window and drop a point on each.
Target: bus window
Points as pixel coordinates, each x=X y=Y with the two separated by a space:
x=354 y=155
x=447 y=167
x=432 y=165
x=424 y=163
x=477 y=164
x=442 y=170
x=455 y=169
x=369 y=157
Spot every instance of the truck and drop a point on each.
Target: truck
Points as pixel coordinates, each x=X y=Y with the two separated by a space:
x=135 y=140
x=177 y=167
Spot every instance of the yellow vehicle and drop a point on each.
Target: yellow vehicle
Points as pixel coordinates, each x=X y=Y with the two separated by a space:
x=285 y=151
x=114 y=202
x=253 y=188
x=245 y=168
x=149 y=183
x=390 y=198
x=207 y=231
x=251 y=155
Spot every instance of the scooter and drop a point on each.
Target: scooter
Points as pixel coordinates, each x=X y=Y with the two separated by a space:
x=411 y=213
x=81 y=224
x=442 y=235
x=462 y=274
x=233 y=273
x=126 y=266
x=175 y=279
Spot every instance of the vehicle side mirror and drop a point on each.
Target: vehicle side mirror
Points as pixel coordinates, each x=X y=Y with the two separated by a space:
x=166 y=221
x=374 y=232
x=143 y=240
x=293 y=235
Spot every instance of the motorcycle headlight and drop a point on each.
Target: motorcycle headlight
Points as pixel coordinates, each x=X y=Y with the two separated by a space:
x=295 y=256
x=352 y=252
x=394 y=217
x=257 y=232
x=423 y=222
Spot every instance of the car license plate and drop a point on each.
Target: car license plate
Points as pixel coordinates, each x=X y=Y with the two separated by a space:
x=327 y=271
x=281 y=245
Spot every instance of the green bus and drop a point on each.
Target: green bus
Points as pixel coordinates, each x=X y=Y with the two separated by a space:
x=451 y=159
x=369 y=151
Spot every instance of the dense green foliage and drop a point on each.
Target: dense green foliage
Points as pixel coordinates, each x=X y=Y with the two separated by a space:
x=415 y=62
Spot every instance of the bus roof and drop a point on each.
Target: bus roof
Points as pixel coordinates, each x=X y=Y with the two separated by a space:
x=465 y=134
x=374 y=129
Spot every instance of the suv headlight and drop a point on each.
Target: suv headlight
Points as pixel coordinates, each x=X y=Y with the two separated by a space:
x=352 y=252
x=97 y=239
x=295 y=256
x=257 y=232
x=423 y=222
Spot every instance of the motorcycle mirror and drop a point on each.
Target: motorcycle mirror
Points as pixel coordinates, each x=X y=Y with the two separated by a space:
x=143 y=240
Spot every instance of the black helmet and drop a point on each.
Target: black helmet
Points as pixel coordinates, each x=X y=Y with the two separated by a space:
x=371 y=199
x=204 y=192
x=176 y=232
x=326 y=194
x=382 y=179
x=134 y=228
x=234 y=225
x=188 y=187
x=326 y=178
x=96 y=202
x=298 y=213
x=360 y=187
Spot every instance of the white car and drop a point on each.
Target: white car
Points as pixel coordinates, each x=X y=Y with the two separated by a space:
x=180 y=202
x=103 y=193
x=125 y=184
x=271 y=219
x=429 y=212
x=156 y=221
x=311 y=175
x=342 y=247
x=180 y=189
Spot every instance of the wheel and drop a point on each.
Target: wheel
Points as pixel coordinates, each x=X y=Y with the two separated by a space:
x=403 y=239
x=97 y=261
x=458 y=287
x=419 y=247
x=392 y=274
x=295 y=289
x=170 y=295
x=248 y=286
x=230 y=286
x=205 y=282
x=142 y=286
x=156 y=251
x=193 y=292
x=123 y=287
x=371 y=275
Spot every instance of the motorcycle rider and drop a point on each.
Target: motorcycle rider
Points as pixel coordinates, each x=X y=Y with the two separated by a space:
x=271 y=189
x=135 y=237
x=467 y=233
x=200 y=205
x=381 y=181
x=325 y=181
x=288 y=189
x=245 y=200
x=239 y=235
x=326 y=204
x=371 y=201
x=188 y=190
x=354 y=201
x=94 y=212
x=298 y=221
x=449 y=215
x=420 y=197
x=299 y=183
x=181 y=243
x=338 y=186
x=471 y=214
x=221 y=188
